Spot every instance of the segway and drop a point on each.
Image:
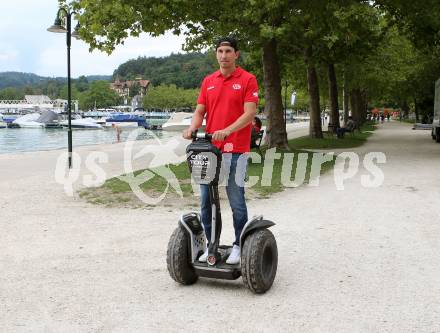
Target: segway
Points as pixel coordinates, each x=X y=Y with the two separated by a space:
x=259 y=253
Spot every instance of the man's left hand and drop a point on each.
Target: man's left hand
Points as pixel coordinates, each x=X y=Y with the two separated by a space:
x=221 y=135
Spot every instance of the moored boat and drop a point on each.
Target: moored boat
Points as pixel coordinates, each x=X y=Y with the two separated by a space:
x=126 y=120
x=28 y=121
x=82 y=123
x=179 y=121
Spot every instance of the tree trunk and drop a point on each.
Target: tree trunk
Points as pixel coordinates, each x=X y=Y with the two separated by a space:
x=358 y=105
x=416 y=110
x=346 y=94
x=405 y=109
x=333 y=93
x=363 y=106
x=315 y=129
x=354 y=104
x=275 y=128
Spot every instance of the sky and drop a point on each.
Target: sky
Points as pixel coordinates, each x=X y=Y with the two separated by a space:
x=26 y=45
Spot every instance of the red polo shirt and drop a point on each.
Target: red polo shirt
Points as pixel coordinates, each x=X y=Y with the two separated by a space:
x=224 y=100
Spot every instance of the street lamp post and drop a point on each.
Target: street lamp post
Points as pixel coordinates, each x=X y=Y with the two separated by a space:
x=57 y=27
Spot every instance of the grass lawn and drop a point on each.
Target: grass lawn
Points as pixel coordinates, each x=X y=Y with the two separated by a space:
x=409 y=121
x=118 y=192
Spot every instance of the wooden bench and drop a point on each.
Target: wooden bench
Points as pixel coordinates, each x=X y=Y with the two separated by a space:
x=355 y=127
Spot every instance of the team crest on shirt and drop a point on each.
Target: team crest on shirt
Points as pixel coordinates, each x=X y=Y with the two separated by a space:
x=236 y=86
x=255 y=94
x=228 y=147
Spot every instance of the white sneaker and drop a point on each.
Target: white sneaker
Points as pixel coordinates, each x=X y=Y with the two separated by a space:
x=234 y=257
x=204 y=256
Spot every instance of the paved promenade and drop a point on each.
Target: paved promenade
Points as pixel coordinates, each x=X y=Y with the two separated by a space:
x=357 y=260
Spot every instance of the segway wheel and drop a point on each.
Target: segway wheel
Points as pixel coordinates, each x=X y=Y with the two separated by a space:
x=178 y=258
x=259 y=261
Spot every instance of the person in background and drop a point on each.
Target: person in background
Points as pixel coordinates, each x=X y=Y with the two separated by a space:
x=348 y=127
x=256 y=128
x=118 y=132
x=256 y=124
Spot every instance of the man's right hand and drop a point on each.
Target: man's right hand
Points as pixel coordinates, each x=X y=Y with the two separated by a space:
x=187 y=133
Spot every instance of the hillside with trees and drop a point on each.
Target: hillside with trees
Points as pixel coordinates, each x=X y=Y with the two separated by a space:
x=182 y=70
x=174 y=82
x=15 y=85
x=19 y=80
x=90 y=91
x=22 y=80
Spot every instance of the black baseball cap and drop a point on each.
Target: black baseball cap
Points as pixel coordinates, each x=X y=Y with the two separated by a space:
x=226 y=41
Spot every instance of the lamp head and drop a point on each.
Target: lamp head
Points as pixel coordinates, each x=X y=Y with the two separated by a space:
x=57 y=26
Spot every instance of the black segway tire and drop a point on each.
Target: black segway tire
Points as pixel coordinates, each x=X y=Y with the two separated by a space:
x=259 y=261
x=178 y=258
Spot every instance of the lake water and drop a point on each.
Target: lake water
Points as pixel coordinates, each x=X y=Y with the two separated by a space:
x=14 y=140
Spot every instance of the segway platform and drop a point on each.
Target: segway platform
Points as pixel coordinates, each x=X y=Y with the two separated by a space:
x=221 y=270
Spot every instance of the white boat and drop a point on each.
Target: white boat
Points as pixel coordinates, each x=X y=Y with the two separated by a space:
x=31 y=124
x=29 y=121
x=122 y=124
x=47 y=119
x=83 y=123
x=179 y=121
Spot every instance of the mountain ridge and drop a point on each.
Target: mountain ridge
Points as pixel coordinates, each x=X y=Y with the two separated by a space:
x=15 y=79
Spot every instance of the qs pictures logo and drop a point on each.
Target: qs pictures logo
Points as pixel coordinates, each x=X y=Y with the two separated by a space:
x=156 y=156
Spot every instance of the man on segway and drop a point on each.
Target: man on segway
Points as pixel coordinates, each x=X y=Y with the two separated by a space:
x=229 y=99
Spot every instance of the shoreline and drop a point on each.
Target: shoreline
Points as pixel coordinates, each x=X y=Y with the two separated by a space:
x=77 y=145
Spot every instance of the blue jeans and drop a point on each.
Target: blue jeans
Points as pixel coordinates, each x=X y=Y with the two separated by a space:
x=234 y=172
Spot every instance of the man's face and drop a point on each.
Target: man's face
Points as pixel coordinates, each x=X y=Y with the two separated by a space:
x=226 y=56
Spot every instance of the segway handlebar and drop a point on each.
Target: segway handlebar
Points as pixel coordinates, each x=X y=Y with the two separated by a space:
x=196 y=135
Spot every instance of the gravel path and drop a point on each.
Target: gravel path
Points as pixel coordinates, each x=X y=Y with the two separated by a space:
x=357 y=260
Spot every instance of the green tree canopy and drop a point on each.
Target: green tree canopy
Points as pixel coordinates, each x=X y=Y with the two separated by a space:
x=11 y=94
x=100 y=95
x=63 y=92
x=183 y=70
x=82 y=83
x=170 y=97
x=351 y=39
